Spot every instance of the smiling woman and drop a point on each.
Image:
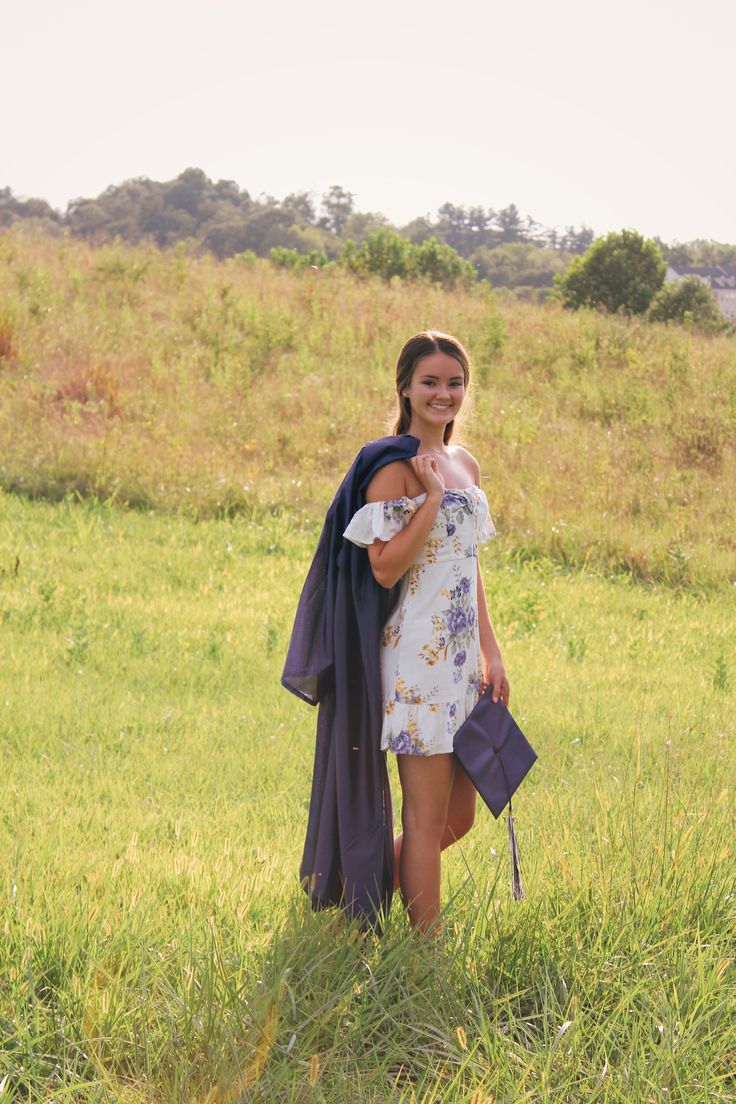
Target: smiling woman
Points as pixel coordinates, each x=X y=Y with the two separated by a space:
x=395 y=586
x=438 y=649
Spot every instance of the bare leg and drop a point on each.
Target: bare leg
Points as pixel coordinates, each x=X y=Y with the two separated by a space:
x=460 y=817
x=426 y=784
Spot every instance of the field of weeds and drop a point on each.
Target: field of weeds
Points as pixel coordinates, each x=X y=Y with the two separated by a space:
x=218 y=388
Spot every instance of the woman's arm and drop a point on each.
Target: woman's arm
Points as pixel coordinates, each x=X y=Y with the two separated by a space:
x=390 y=559
x=494 y=672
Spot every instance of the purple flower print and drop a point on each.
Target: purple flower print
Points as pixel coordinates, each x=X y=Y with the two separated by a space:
x=450 y=529
x=453 y=709
x=460 y=659
x=452 y=498
x=465 y=584
x=457 y=620
x=401 y=743
x=471 y=617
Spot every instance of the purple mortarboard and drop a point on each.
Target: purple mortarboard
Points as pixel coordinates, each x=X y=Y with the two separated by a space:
x=496 y=756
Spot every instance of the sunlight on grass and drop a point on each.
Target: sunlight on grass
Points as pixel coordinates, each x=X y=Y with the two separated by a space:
x=156 y=945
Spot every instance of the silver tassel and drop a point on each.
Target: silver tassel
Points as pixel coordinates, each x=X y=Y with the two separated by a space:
x=517 y=886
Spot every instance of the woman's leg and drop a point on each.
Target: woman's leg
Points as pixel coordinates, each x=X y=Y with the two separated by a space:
x=460 y=816
x=426 y=784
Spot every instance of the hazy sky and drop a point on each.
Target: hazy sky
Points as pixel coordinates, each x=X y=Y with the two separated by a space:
x=611 y=115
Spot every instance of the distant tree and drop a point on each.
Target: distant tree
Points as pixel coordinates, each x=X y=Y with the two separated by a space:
x=519 y=264
x=302 y=207
x=187 y=191
x=689 y=301
x=620 y=272
x=229 y=191
x=119 y=211
x=534 y=231
x=716 y=253
x=675 y=254
x=166 y=225
x=463 y=228
x=418 y=230
x=576 y=241
x=12 y=209
x=362 y=223
x=511 y=224
x=338 y=207
x=266 y=225
x=227 y=235
x=700 y=252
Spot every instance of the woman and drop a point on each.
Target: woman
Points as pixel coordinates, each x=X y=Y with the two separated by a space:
x=422 y=520
x=393 y=641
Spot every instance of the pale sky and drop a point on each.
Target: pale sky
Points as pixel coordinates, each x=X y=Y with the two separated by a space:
x=610 y=115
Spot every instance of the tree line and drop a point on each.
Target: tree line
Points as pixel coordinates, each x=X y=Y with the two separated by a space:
x=460 y=243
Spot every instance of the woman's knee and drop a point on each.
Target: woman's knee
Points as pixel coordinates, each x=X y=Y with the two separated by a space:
x=424 y=823
x=460 y=822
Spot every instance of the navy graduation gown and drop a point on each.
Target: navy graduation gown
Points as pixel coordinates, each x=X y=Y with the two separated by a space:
x=333 y=661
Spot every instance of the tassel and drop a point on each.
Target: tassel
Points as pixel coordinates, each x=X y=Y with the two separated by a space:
x=517 y=886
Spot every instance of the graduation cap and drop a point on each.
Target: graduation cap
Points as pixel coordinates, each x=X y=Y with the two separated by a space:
x=496 y=756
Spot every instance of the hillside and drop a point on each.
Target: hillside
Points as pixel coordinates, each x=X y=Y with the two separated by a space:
x=182 y=383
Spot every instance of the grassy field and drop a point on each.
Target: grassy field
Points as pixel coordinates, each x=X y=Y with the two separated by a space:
x=154 y=943
x=161 y=501
x=186 y=384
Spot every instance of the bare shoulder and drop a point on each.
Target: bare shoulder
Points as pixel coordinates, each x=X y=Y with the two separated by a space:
x=388 y=482
x=469 y=461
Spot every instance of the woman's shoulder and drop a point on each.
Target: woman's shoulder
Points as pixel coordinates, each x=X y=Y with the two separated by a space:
x=465 y=456
x=389 y=482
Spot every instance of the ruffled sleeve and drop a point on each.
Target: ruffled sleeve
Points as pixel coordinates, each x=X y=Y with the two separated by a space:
x=380 y=520
x=486 y=529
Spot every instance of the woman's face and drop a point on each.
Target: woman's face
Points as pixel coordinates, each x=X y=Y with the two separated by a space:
x=437 y=388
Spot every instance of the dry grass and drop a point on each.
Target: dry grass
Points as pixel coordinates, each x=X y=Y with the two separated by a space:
x=217 y=388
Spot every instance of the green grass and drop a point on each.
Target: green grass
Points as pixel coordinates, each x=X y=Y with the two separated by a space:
x=154 y=942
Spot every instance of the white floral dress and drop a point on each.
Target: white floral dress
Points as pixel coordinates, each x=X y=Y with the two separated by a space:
x=431 y=667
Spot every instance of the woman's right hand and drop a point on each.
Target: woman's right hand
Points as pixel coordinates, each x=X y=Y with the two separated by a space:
x=429 y=475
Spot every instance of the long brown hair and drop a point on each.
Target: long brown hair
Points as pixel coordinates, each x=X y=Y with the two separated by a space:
x=418 y=346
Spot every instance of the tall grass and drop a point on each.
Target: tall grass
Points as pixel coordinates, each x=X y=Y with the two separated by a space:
x=218 y=388
x=154 y=942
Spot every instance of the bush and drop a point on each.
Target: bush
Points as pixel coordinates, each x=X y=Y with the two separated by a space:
x=621 y=272
x=689 y=301
x=383 y=253
x=441 y=264
x=386 y=253
x=289 y=258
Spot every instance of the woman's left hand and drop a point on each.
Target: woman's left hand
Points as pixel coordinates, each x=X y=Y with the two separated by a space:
x=494 y=674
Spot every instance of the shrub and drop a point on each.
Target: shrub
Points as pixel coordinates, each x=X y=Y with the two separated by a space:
x=689 y=301
x=621 y=272
x=289 y=258
x=387 y=253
